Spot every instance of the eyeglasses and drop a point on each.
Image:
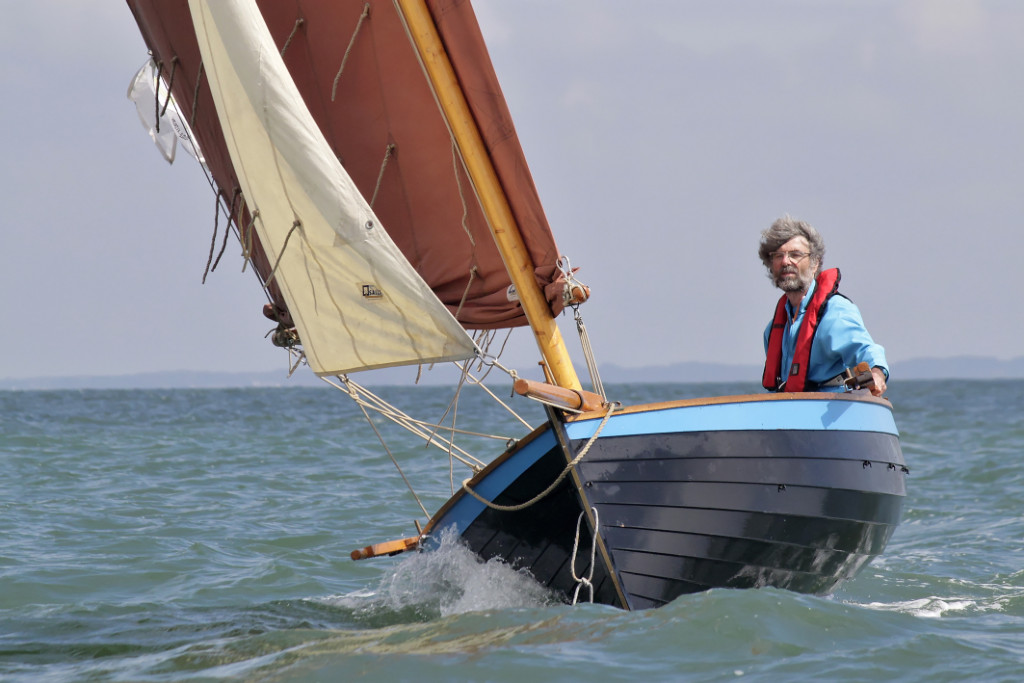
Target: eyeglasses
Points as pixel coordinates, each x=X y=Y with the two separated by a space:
x=794 y=256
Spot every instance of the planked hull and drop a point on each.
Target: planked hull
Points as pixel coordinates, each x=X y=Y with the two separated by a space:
x=797 y=492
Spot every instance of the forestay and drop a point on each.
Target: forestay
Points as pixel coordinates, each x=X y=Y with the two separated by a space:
x=356 y=301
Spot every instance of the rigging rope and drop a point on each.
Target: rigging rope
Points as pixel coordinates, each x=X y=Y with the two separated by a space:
x=273 y=271
x=472 y=276
x=298 y=24
x=213 y=240
x=361 y=395
x=351 y=42
x=588 y=579
x=246 y=239
x=235 y=196
x=462 y=196
x=160 y=111
x=195 y=95
x=479 y=381
x=388 y=151
x=227 y=233
x=246 y=233
x=588 y=354
x=568 y=468
x=570 y=298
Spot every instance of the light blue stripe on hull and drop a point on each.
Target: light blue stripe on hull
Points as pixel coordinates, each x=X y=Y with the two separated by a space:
x=791 y=414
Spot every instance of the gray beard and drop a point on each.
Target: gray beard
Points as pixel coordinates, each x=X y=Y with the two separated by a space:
x=792 y=285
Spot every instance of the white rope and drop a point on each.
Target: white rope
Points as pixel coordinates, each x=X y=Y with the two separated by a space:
x=394 y=460
x=298 y=361
x=365 y=398
x=568 y=468
x=584 y=580
x=511 y=411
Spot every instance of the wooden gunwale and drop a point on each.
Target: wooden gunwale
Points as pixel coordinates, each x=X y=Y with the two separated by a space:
x=862 y=397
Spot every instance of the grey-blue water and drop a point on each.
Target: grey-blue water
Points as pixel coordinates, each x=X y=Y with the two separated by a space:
x=204 y=535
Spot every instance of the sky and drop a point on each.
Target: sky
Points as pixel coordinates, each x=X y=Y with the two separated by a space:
x=663 y=136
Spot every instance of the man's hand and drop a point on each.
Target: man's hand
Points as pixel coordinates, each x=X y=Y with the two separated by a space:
x=878 y=388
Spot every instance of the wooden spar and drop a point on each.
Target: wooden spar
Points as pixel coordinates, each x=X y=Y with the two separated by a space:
x=573 y=399
x=492 y=197
x=386 y=548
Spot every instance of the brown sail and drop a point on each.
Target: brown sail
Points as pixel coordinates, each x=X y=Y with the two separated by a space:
x=360 y=77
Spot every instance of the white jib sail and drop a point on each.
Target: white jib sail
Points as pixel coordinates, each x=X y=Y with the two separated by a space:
x=355 y=299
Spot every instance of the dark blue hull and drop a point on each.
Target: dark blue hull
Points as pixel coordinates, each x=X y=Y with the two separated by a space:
x=793 y=491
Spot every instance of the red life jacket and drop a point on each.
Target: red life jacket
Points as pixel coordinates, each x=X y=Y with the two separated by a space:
x=827 y=286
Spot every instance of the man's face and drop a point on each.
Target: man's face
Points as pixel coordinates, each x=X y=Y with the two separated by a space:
x=792 y=266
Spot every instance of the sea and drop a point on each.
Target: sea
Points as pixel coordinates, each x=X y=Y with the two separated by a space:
x=205 y=535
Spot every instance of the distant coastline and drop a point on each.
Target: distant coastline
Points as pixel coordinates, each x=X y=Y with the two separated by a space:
x=958 y=367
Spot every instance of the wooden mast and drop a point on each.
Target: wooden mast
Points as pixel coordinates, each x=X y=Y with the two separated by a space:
x=495 y=205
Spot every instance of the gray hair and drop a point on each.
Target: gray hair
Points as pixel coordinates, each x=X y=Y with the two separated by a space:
x=782 y=231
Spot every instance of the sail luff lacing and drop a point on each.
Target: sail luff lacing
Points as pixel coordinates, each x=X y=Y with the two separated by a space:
x=565 y=472
x=246 y=233
x=160 y=111
x=213 y=240
x=388 y=151
x=298 y=24
x=227 y=231
x=348 y=50
x=195 y=95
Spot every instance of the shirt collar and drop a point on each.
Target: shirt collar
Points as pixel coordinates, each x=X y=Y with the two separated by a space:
x=803 y=302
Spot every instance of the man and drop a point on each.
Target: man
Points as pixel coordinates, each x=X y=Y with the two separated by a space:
x=816 y=333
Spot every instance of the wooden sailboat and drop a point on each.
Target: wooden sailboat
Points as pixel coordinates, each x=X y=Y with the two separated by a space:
x=365 y=155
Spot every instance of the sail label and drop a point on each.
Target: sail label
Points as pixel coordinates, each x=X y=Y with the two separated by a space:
x=372 y=291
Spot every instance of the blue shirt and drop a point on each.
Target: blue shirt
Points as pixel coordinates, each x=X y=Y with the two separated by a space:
x=840 y=342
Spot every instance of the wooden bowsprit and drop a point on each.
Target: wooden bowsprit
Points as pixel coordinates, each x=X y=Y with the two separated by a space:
x=386 y=548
